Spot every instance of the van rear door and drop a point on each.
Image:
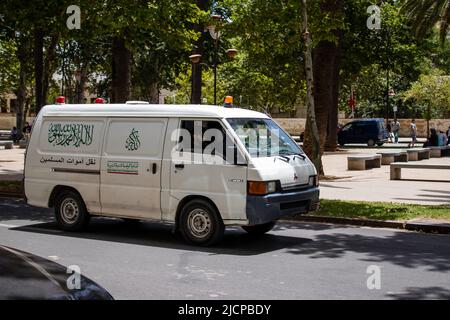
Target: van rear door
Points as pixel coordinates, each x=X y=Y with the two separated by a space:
x=131 y=167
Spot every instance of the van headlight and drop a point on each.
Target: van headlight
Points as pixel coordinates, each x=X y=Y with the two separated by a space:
x=259 y=188
x=313 y=181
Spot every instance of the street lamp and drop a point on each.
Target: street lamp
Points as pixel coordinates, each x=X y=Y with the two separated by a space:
x=215 y=34
x=78 y=85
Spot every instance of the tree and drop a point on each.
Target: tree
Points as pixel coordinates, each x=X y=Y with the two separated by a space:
x=433 y=92
x=311 y=119
x=425 y=14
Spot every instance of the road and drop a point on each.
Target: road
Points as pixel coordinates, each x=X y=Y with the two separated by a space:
x=295 y=261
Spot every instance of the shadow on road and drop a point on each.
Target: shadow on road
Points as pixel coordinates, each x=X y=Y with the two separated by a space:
x=406 y=249
x=416 y=293
x=17 y=209
x=235 y=242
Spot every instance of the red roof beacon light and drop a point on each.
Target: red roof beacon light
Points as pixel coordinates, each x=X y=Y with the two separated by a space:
x=99 y=100
x=60 y=100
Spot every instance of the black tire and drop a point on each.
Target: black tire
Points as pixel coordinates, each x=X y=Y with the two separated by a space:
x=380 y=144
x=260 y=229
x=200 y=223
x=341 y=143
x=70 y=211
x=371 y=142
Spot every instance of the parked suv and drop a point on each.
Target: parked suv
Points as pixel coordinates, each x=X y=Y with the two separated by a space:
x=370 y=131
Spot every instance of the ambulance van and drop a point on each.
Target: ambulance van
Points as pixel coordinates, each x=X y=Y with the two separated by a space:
x=200 y=167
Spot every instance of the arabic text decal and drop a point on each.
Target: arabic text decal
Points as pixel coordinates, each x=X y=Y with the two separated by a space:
x=133 y=142
x=70 y=134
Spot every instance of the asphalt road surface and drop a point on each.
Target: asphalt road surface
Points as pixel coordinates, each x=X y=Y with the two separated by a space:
x=294 y=261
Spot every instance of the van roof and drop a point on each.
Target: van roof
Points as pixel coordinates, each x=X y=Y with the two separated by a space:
x=139 y=110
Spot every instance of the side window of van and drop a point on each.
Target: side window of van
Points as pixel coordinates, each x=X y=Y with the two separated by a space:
x=210 y=131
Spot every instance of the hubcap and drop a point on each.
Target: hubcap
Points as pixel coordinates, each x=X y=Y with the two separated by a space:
x=199 y=223
x=69 y=211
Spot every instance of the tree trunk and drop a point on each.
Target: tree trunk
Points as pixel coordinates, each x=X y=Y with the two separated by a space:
x=326 y=65
x=22 y=88
x=38 y=66
x=153 y=93
x=311 y=124
x=49 y=66
x=121 y=75
x=331 y=141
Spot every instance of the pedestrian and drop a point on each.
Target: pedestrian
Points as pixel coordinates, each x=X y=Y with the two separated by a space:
x=412 y=133
x=13 y=134
x=395 y=129
x=26 y=128
x=448 y=135
x=433 y=139
x=442 y=138
x=389 y=130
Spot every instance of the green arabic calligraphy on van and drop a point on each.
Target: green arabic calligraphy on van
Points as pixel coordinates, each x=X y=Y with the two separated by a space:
x=70 y=134
x=133 y=143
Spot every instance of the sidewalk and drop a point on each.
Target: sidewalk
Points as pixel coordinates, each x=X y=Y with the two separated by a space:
x=427 y=187
x=11 y=164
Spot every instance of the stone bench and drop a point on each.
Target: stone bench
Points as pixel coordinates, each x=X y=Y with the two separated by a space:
x=364 y=161
x=6 y=144
x=416 y=154
x=397 y=167
x=437 y=152
x=387 y=157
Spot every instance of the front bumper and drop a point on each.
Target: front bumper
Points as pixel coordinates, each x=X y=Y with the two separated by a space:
x=263 y=209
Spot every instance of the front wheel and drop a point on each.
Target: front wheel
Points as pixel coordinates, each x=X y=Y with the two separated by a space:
x=371 y=142
x=70 y=211
x=380 y=144
x=259 y=229
x=200 y=223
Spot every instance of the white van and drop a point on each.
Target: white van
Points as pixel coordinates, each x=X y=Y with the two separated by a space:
x=142 y=161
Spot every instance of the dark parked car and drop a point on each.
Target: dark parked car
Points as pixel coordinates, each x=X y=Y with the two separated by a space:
x=370 y=131
x=24 y=276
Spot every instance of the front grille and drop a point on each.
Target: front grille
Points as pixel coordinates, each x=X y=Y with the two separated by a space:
x=294 y=204
x=299 y=187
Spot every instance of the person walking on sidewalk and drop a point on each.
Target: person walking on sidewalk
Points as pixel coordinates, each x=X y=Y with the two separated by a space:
x=395 y=129
x=412 y=133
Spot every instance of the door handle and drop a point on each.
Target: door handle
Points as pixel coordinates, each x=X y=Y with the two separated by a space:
x=179 y=166
x=154 y=168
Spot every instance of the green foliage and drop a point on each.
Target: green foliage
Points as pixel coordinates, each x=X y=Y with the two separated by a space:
x=380 y=210
x=432 y=91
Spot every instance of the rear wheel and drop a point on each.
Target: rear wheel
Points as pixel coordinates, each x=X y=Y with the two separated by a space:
x=259 y=229
x=70 y=211
x=200 y=223
x=371 y=142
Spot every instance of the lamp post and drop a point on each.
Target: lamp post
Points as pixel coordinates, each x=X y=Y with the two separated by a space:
x=215 y=34
x=78 y=86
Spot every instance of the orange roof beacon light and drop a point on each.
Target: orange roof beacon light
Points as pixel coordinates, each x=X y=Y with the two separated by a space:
x=228 y=103
x=99 y=100
x=60 y=100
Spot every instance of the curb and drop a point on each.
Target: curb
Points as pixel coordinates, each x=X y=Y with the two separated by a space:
x=411 y=226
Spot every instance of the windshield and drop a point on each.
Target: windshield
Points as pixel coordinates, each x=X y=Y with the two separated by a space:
x=263 y=137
